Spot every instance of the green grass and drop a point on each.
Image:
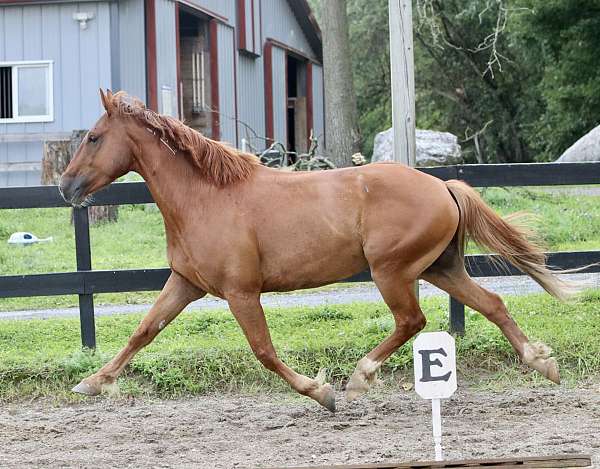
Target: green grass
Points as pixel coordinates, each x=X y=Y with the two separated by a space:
x=204 y=352
x=567 y=222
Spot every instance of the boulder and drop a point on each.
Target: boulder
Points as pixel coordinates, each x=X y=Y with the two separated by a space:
x=433 y=148
x=587 y=148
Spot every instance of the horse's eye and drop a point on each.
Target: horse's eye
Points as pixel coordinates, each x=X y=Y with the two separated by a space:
x=92 y=138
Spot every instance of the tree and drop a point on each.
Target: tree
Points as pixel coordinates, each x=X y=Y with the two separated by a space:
x=568 y=34
x=370 y=43
x=516 y=80
x=342 y=134
x=477 y=79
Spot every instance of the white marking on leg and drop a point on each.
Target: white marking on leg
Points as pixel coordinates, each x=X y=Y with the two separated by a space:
x=364 y=375
x=161 y=325
x=534 y=351
x=537 y=356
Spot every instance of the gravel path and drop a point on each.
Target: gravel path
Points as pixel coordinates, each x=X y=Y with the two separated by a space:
x=212 y=432
x=366 y=292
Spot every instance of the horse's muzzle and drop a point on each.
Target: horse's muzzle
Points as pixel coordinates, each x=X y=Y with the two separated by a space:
x=73 y=189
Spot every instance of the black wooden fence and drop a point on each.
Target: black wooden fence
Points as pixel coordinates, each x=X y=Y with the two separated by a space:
x=86 y=282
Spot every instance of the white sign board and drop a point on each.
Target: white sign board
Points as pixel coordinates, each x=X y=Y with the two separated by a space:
x=434 y=355
x=435 y=365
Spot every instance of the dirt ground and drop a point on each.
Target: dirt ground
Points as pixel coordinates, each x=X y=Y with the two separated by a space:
x=282 y=430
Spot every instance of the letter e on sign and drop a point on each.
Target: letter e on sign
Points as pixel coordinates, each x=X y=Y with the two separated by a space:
x=434 y=355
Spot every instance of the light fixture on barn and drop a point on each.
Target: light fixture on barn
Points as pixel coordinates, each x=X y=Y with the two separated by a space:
x=83 y=18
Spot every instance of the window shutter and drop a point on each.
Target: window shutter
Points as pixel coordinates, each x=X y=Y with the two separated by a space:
x=6 y=109
x=248 y=26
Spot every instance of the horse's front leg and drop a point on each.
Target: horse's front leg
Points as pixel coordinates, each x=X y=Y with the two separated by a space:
x=176 y=295
x=249 y=313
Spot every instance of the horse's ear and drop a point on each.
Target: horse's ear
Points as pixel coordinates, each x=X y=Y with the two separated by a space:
x=106 y=101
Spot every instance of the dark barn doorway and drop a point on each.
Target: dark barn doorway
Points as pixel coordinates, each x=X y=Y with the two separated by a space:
x=195 y=77
x=297 y=132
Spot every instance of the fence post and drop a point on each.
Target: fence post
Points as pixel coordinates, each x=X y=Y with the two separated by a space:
x=84 y=262
x=457 y=317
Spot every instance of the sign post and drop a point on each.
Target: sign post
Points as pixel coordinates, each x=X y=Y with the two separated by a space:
x=434 y=355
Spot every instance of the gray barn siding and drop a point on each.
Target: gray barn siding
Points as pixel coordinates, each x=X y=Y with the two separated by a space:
x=166 y=54
x=251 y=100
x=81 y=64
x=20 y=152
x=132 y=48
x=279 y=96
x=318 y=105
x=279 y=22
x=224 y=8
x=248 y=23
x=48 y=32
x=227 y=106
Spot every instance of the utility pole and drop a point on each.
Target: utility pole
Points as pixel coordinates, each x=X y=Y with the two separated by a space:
x=403 y=81
x=403 y=85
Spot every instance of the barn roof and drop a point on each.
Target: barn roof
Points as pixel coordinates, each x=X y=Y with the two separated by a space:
x=307 y=21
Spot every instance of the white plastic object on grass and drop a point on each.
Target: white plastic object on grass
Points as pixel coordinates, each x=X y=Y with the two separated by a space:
x=23 y=237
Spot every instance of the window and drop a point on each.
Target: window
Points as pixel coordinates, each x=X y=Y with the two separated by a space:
x=198 y=84
x=26 y=92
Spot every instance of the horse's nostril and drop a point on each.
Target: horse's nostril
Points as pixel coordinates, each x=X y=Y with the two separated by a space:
x=69 y=187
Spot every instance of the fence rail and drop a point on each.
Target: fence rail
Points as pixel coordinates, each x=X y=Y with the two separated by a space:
x=85 y=282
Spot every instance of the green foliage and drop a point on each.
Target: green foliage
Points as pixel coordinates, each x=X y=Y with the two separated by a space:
x=568 y=33
x=531 y=90
x=369 y=33
x=206 y=351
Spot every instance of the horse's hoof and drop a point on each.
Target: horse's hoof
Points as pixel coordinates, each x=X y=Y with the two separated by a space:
x=86 y=389
x=537 y=356
x=327 y=399
x=352 y=394
x=356 y=387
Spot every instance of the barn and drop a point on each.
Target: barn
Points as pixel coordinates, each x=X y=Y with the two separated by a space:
x=233 y=69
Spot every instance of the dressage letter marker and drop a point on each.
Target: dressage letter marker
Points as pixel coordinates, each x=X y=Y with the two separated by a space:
x=435 y=375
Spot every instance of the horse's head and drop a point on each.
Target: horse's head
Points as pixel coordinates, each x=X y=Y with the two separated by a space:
x=104 y=155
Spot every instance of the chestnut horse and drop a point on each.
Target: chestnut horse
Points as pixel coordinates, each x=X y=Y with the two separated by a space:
x=229 y=220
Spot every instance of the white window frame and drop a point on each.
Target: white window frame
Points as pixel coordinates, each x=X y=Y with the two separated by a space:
x=15 y=92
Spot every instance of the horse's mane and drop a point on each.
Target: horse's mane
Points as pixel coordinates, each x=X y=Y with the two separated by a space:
x=218 y=163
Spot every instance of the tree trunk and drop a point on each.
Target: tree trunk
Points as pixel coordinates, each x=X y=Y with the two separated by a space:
x=57 y=155
x=342 y=135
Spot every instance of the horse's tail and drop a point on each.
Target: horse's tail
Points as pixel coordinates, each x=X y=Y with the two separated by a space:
x=511 y=237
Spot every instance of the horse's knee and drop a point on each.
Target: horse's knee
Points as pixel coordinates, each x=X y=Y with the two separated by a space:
x=142 y=336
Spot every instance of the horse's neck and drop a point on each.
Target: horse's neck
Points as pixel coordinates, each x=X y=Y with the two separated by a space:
x=170 y=177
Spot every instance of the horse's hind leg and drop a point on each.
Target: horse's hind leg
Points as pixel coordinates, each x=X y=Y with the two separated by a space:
x=399 y=295
x=455 y=281
x=251 y=318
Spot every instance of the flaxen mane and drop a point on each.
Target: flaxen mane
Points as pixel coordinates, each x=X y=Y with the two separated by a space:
x=218 y=163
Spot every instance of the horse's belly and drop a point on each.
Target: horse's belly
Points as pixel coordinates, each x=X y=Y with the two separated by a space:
x=313 y=267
